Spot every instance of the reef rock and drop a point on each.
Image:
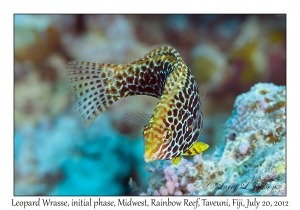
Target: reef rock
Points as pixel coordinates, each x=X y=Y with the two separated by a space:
x=252 y=161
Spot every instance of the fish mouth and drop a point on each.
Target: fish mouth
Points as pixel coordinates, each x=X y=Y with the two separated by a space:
x=149 y=154
x=148 y=157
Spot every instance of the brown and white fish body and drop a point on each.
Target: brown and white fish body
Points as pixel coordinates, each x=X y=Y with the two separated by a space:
x=176 y=122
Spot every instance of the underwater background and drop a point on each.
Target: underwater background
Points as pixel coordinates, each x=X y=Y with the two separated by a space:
x=228 y=54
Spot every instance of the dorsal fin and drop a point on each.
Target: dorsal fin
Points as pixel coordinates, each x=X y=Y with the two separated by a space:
x=139 y=118
x=199 y=111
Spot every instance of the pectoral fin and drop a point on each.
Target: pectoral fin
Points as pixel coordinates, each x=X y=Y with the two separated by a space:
x=176 y=160
x=139 y=118
x=197 y=148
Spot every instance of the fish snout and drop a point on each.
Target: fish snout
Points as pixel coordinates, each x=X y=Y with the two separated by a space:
x=149 y=155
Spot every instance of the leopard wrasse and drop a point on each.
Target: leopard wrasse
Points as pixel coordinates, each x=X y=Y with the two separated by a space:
x=176 y=123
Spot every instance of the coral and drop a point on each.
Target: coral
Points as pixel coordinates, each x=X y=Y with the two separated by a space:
x=252 y=161
x=208 y=65
x=49 y=169
x=249 y=56
x=261 y=112
x=54 y=155
x=36 y=100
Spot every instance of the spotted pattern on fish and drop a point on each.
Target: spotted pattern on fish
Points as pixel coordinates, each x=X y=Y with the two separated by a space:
x=177 y=118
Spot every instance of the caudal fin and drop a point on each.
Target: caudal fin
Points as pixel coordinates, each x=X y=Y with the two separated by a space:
x=89 y=85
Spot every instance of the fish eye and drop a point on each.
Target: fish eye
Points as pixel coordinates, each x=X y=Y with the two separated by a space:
x=167 y=136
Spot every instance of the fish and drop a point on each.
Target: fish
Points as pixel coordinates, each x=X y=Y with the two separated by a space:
x=174 y=126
